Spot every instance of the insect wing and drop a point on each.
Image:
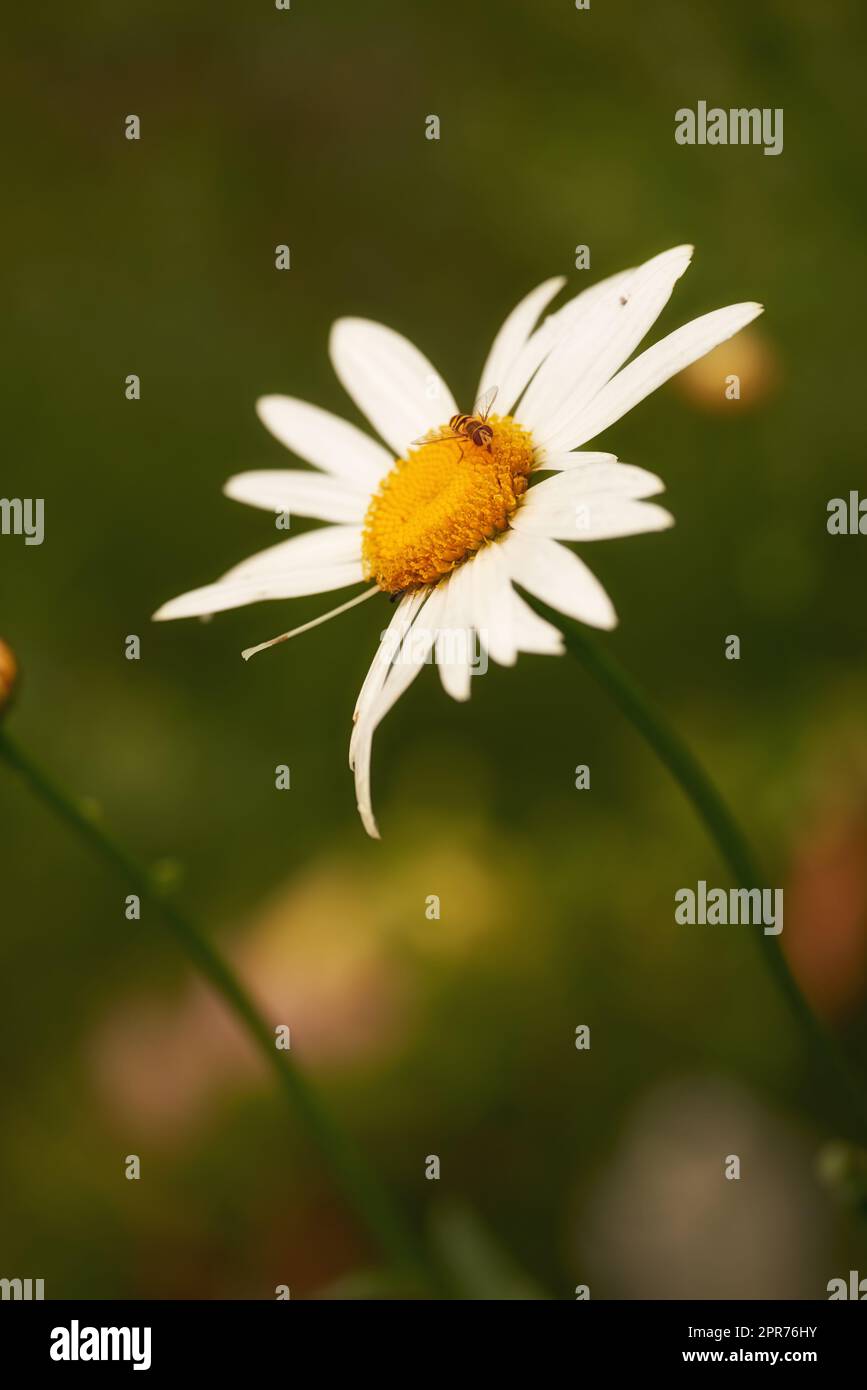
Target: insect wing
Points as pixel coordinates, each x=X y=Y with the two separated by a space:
x=483 y=405
x=434 y=437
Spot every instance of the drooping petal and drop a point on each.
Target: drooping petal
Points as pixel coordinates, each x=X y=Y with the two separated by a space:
x=300 y=494
x=325 y=440
x=650 y=370
x=394 y=676
x=391 y=382
x=401 y=621
x=558 y=578
x=513 y=336
x=598 y=345
x=597 y=517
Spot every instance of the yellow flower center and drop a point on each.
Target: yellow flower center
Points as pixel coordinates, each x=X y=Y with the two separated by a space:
x=442 y=502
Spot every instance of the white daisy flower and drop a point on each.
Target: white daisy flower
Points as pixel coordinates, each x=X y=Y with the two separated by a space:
x=447 y=515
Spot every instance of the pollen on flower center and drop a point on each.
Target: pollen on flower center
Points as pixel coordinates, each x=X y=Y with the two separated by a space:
x=440 y=504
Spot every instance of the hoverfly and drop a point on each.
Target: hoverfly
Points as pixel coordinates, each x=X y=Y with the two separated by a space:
x=474 y=428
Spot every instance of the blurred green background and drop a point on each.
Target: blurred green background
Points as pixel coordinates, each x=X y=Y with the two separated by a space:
x=456 y=1036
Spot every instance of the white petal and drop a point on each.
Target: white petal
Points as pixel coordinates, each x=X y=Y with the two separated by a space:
x=598 y=345
x=575 y=485
x=235 y=593
x=534 y=633
x=300 y=494
x=327 y=545
x=558 y=578
x=513 y=336
x=648 y=372
x=398 y=672
x=597 y=517
x=564 y=318
x=548 y=335
x=413 y=653
x=325 y=440
x=394 y=385
x=454 y=644
x=491 y=599
x=557 y=463
x=402 y=618
x=505 y=623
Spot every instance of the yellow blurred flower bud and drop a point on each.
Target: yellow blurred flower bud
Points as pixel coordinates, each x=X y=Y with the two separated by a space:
x=742 y=372
x=8 y=676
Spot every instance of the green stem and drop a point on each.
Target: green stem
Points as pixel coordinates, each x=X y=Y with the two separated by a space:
x=360 y=1185
x=725 y=832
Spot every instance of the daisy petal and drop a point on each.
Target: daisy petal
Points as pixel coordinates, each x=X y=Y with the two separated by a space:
x=649 y=371
x=598 y=345
x=514 y=334
x=235 y=593
x=532 y=632
x=325 y=440
x=560 y=579
x=549 y=333
x=558 y=463
x=328 y=545
x=391 y=382
x=576 y=484
x=505 y=623
x=454 y=644
x=491 y=600
x=300 y=494
x=402 y=619
x=400 y=670
x=597 y=517
x=413 y=653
